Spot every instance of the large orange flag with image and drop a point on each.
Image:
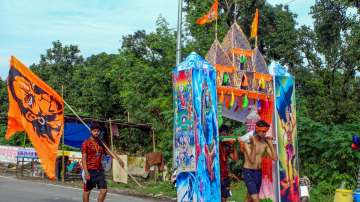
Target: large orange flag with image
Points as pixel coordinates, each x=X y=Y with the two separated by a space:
x=210 y=16
x=254 y=25
x=34 y=107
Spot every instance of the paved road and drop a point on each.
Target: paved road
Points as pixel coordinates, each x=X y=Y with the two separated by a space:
x=15 y=190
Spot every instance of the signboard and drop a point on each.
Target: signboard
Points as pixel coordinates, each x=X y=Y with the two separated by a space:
x=8 y=154
x=27 y=153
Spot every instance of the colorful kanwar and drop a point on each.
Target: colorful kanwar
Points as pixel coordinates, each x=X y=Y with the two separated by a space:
x=196 y=131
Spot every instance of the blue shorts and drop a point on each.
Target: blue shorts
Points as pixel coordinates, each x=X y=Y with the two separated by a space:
x=252 y=179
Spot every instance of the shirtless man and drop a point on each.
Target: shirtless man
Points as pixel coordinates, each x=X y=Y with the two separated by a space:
x=254 y=151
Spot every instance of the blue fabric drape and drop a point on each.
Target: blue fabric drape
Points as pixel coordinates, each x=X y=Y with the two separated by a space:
x=75 y=133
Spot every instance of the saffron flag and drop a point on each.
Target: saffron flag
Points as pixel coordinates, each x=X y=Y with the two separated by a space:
x=210 y=16
x=254 y=25
x=37 y=109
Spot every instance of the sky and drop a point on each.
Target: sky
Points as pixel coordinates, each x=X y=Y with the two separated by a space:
x=28 y=27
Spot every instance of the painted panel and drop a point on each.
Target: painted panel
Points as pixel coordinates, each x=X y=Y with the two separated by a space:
x=287 y=138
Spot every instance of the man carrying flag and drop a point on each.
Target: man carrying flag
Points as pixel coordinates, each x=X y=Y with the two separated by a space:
x=34 y=107
x=210 y=16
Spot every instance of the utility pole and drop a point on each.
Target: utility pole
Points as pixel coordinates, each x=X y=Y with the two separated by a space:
x=179 y=25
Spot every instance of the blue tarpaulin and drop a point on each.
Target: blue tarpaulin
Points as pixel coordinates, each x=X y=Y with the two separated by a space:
x=75 y=133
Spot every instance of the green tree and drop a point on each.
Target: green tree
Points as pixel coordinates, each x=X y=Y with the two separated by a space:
x=331 y=60
x=278 y=38
x=57 y=66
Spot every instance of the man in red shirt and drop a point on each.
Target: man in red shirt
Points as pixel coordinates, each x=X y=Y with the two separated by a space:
x=92 y=153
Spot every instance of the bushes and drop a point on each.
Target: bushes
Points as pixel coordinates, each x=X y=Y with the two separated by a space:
x=325 y=153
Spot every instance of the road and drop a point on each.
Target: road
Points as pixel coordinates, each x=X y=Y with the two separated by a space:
x=16 y=190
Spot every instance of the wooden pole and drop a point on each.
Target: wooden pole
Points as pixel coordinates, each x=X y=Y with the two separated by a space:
x=118 y=160
x=24 y=140
x=153 y=139
x=62 y=147
x=216 y=28
x=111 y=136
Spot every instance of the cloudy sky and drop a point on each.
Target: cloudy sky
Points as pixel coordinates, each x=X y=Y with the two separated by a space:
x=29 y=26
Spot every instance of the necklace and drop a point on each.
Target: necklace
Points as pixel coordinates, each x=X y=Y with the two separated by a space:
x=97 y=147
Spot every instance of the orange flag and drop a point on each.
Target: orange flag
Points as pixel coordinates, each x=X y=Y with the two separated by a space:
x=210 y=16
x=37 y=109
x=254 y=25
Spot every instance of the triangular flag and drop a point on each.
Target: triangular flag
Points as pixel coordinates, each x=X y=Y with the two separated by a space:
x=210 y=16
x=254 y=25
x=37 y=109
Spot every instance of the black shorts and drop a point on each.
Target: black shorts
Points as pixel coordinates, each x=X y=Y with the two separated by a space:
x=97 y=179
x=225 y=188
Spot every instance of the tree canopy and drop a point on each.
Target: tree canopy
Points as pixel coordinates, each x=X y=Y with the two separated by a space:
x=136 y=81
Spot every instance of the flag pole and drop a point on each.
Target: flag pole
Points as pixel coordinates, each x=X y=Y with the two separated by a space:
x=102 y=142
x=62 y=147
x=179 y=24
x=232 y=37
x=24 y=140
x=111 y=135
x=216 y=28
